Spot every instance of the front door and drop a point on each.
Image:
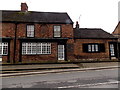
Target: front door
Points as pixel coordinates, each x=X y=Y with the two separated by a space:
x=61 y=52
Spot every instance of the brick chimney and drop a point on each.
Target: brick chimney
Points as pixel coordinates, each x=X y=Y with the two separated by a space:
x=24 y=7
x=77 y=24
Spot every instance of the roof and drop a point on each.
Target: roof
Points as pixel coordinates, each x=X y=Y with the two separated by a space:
x=89 y=33
x=36 y=17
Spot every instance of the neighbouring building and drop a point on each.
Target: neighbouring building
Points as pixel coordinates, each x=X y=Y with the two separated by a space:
x=49 y=37
x=94 y=44
x=116 y=33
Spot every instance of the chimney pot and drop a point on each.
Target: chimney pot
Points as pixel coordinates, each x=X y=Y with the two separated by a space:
x=24 y=7
x=77 y=24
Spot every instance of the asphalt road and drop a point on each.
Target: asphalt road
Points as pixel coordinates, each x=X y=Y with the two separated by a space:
x=107 y=78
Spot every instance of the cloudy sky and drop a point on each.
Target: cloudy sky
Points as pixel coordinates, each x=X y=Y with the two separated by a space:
x=90 y=13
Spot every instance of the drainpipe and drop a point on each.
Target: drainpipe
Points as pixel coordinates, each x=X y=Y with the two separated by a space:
x=15 y=43
x=118 y=51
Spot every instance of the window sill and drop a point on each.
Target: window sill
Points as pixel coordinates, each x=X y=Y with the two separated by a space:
x=35 y=54
x=4 y=55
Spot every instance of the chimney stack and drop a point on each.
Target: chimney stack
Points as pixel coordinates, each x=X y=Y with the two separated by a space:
x=77 y=24
x=24 y=7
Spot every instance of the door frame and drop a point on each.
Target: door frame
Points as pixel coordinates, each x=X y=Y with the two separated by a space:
x=115 y=50
x=63 y=52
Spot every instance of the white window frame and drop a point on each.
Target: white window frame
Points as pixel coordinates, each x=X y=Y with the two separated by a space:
x=89 y=48
x=39 y=50
x=36 y=48
x=96 y=47
x=57 y=31
x=112 y=50
x=3 y=47
x=30 y=30
x=93 y=48
x=24 y=49
x=61 y=53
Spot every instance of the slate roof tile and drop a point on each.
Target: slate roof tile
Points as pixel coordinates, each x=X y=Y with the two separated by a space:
x=91 y=33
x=36 y=17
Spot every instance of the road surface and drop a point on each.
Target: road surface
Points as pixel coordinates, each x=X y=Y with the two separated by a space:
x=106 y=78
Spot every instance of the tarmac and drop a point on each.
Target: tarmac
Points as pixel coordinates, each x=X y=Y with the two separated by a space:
x=18 y=70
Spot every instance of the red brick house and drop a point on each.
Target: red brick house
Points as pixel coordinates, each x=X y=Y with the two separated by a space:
x=49 y=37
x=35 y=37
x=94 y=44
x=116 y=33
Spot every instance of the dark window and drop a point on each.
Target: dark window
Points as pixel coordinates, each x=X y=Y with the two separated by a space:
x=85 y=47
x=93 y=47
x=102 y=47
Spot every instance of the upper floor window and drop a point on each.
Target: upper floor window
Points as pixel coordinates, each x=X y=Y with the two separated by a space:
x=93 y=47
x=3 y=48
x=57 y=31
x=30 y=30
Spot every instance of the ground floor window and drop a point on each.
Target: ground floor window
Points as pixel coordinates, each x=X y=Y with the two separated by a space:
x=93 y=47
x=36 y=48
x=3 y=48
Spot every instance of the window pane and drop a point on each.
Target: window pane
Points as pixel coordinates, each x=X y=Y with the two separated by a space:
x=0 y=48
x=3 y=48
x=33 y=48
x=29 y=48
x=93 y=48
x=24 y=48
x=30 y=30
x=89 y=48
x=39 y=48
x=44 y=48
x=57 y=31
x=36 y=48
x=48 y=48
x=112 y=50
x=96 y=48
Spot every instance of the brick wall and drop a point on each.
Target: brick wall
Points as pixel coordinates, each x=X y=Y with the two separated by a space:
x=8 y=30
x=41 y=31
x=74 y=49
x=78 y=49
x=45 y=30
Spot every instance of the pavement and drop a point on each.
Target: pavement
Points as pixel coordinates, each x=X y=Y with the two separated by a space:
x=18 y=70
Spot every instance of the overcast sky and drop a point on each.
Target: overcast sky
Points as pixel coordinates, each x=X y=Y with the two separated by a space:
x=90 y=13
